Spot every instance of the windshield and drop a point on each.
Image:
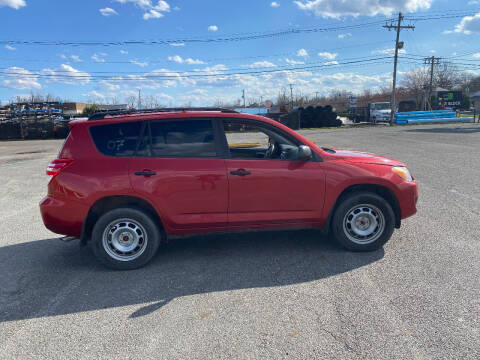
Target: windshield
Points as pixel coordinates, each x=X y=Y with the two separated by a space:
x=381 y=106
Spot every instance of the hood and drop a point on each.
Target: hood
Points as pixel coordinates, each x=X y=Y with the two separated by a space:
x=384 y=111
x=364 y=158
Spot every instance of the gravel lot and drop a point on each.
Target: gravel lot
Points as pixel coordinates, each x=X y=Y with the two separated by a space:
x=264 y=295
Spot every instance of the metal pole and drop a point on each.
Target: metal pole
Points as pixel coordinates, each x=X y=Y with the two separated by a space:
x=397 y=28
x=243 y=97
x=291 y=96
x=393 y=104
x=431 y=83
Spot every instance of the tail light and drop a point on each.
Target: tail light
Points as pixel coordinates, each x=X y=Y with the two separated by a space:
x=58 y=165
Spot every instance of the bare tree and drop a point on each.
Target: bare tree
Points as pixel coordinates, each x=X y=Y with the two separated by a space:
x=416 y=83
x=446 y=75
x=131 y=101
x=282 y=98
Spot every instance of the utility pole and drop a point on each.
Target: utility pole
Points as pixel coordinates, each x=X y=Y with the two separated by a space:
x=243 y=97
x=432 y=61
x=139 y=99
x=398 y=45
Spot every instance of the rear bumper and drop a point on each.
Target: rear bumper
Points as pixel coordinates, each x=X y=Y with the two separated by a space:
x=63 y=217
x=407 y=198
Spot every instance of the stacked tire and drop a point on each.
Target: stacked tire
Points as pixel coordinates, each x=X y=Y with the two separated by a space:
x=311 y=117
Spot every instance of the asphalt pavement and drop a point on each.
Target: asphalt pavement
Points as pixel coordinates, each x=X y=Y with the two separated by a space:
x=276 y=295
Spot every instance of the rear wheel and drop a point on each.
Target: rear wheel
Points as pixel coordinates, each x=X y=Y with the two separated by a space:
x=363 y=222
x=125 y=239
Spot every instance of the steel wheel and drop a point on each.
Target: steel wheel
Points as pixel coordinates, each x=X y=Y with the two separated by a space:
x=124 y=239
x=363 y=224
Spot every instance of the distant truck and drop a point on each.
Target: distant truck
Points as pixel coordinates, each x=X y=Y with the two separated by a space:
x=373 y=112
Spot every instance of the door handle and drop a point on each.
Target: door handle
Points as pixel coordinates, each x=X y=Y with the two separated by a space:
x=145 y=173
x=240 y=172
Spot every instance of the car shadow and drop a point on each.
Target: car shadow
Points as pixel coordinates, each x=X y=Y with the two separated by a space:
x=49 y=278
x=457 y=130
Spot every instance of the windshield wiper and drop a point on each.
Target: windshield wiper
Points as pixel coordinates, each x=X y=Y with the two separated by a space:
x=331 y=151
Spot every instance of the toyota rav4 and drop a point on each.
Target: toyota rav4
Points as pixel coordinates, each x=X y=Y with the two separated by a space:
x=125 y=182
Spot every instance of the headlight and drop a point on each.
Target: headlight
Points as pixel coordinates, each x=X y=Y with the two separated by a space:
x=403 y=172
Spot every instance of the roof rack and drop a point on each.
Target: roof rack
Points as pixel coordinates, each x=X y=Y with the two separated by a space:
x=102 y=114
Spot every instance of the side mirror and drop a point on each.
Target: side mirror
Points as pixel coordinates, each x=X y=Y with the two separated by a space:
x=304 y=153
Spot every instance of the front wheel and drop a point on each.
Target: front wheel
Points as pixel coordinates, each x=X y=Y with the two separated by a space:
x=125 y=239
x=363 y=222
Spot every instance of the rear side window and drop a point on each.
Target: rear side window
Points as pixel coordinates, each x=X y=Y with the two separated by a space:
x=118 y=139
x=183 y=138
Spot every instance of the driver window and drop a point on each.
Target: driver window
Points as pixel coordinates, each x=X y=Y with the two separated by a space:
x=248 y=140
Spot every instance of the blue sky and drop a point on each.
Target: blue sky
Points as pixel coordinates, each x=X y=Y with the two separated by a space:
x=342 y=59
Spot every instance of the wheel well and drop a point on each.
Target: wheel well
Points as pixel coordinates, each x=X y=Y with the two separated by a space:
x=106 y=204
x=382 y=191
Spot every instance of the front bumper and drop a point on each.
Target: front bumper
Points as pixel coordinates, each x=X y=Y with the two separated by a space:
x=63 y=217
x=407 y=198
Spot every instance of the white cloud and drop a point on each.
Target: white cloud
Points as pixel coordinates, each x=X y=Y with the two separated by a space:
x=76 y=58
x=152 y=14
x=294 y=62
x=95 y=95
x=15 y=4
x=99 y=57
x=154 y=79
x=20 y=79
x=191 y=61
x=213 y=28
x=329 y=63
x=343 y=36
x=274 y=4
x=63 y=56
x=152 y=11
x=177 y=44
x=262 y=64
x=337 y=9
x=140 y=3
x=178 y=59
x=107 y=11
x=476 y=55
x=124 y=52
x=67 y=75
x=108 y=85
x=468 y=25
x=9 y=47
x=390 y=51
x=327 y=55
x=139 y=63
x=162 y=6
x=302 y=53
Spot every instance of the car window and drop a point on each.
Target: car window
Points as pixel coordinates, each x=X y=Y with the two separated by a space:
x=250 y=140
x=118 y=139
x=182 y=138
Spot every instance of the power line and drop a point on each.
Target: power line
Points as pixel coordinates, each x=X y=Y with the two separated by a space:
x=208 y=60
x=232 y=37
x=197 y=71
x=378 y=60
x=164 y=74
x=240 y=37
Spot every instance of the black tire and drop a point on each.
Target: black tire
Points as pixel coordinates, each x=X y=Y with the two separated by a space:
x=136 y=224
x=373 y=207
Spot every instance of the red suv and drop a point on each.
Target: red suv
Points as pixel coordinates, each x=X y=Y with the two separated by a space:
x=127 y=181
